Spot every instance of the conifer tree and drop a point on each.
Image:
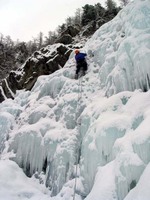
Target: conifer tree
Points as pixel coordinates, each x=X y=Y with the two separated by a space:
x=112 y=9
x=89 y=14
x=99 y=10
x=124 y=2
x=111 y=5
x=61 y=28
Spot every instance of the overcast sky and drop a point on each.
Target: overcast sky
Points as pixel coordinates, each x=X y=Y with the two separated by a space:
x=24 y=19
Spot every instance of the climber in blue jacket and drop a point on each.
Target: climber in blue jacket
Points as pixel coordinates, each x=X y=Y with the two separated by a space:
x=81 y=63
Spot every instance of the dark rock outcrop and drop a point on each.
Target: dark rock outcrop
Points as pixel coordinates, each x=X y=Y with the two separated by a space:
x=65 y=39
x=43 y=62
x=72 y=31
x=2 y=98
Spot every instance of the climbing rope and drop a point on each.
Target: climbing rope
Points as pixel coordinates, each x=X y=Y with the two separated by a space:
x=78 y=124
x=80 y=91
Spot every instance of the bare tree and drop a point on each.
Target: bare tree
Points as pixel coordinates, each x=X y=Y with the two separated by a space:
x=69 y=21
x=48 y=39
x=78 y=16
x=40 y=40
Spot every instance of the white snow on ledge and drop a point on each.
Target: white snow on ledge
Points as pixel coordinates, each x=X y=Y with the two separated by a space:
x=14 y=185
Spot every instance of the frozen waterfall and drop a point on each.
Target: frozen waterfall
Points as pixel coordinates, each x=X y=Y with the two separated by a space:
x=101 y=140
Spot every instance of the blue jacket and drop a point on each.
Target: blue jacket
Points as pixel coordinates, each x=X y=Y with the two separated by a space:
x=80 y=57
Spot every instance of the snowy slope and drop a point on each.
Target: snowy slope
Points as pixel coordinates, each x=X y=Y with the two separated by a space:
x=94 y=131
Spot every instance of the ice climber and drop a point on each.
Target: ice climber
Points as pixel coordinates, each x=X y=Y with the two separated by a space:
x=81 y=63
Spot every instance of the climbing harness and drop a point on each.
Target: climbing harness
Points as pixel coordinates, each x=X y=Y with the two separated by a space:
x=78 y=124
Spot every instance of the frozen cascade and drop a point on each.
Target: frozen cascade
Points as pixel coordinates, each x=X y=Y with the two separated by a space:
x=47 y=146
x=121 y=52
x=141 y=191
x=7 y=122
x=40 y=129
x=100 y=144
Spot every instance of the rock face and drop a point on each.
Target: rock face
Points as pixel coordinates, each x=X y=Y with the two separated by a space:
x=12 y=56
x=43 y=62
x=1 y=96
x=66 y=37
x=72 y=31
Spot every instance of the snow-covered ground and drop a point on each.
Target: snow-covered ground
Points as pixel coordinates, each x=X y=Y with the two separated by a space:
x=90 y=135
x=15 y=185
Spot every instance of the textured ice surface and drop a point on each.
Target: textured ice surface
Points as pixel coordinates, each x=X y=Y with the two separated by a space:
x=121 y=52
x=99 y=123
x=141 y=191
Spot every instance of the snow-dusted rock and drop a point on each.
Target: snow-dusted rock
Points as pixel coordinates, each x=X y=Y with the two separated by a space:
x=89 y=136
